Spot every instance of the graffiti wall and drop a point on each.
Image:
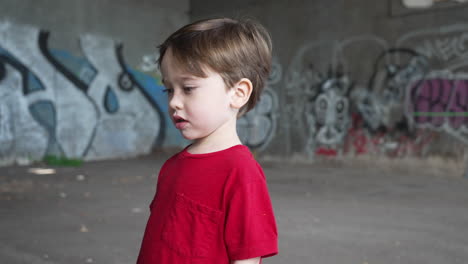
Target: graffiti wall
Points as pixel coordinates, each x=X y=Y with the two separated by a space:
x=53 y=103
x=258 y=127
x=395 y=104
x=92 y=105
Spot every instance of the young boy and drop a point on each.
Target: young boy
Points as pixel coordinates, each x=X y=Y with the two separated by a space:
x=212 y=204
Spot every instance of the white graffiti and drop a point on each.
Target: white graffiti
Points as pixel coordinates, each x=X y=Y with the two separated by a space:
x=302 y=83
x=332 y=112
x=374 y=46
x=258 y=127
x=20 y=136
x=378 y=87
x=149 y=63
x=446 y=48
x=22 y=42
x=445 y=44
x=134 y=127
x=6 y=133
x=319 y=108
x=276 y=72
x=82 y=128
x=381 y=104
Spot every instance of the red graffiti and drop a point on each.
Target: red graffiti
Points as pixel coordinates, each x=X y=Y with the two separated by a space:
x=326 y=152
x=356 y=137
x=359 y=141
x=414 y=146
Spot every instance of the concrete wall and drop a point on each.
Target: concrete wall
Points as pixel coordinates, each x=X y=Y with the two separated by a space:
x=77 y=78
x=352 y=77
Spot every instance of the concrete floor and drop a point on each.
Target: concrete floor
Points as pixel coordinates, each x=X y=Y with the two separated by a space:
x=327 y=213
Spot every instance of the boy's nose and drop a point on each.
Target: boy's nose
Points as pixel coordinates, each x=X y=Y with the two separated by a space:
x=175 y=102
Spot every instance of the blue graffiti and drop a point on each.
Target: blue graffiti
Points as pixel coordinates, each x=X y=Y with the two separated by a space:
x=150 y=86
x=81 y=67
x=154 y=90
x=32 y=83
x=111 y=102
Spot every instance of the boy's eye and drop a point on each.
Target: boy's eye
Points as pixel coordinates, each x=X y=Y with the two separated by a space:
x=188 y=89
x=168 y=91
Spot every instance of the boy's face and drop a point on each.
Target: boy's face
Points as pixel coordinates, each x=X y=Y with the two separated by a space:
x=199 y=107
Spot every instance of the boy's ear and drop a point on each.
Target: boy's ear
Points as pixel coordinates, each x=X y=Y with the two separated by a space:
x=241 y=92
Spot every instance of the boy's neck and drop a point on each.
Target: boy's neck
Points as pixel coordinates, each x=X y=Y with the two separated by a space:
x=223 y=138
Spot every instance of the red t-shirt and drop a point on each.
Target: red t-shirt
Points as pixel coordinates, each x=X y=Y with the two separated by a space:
x=210 y=208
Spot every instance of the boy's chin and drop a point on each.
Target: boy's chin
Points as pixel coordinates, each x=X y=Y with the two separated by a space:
x=189 y=137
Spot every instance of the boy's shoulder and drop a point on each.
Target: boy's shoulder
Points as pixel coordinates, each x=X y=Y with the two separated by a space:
x=245 y=167
x=239 y=155
x=240 y=160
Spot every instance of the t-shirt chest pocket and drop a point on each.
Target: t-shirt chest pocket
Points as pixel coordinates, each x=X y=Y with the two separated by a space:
x=191 y=228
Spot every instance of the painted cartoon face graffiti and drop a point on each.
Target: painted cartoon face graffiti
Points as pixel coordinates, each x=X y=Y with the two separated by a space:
x=332 y=117
x=424 y=73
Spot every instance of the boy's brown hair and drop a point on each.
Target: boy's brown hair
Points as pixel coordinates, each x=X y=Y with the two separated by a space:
x=235 y=49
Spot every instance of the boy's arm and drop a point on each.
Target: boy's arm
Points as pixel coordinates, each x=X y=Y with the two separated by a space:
x=247 y=261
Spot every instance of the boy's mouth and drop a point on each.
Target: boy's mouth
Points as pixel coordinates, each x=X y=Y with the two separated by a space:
x=179 y=122
x=178 y=119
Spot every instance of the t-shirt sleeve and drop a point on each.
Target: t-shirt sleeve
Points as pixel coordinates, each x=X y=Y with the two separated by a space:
x=250 y=229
